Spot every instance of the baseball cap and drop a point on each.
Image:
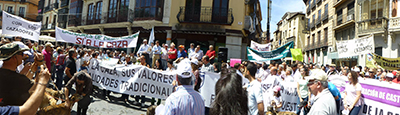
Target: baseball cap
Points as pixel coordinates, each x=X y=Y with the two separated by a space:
x=184 y=69
x=318 y=75
x=48 y=44
x=277 y=88
x=333 y=65
x=23 y=46
x=10 y=49
x=390 y=75
x=181 y=46
x=195 y=61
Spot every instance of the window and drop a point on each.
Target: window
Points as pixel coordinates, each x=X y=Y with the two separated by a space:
x=326 y=9
x=148 y=9
x=118 y=10
x=319 y=37
x=313 y=39
x=90 y=12
x=394 y=8
x=112 y=9
x=220 y=11
x=339 y=17
x=99 y=6
x=325 y=35
x=10 y=9
x=308 y=41
x=21 y=12
x=313 y=18
x=319 y=15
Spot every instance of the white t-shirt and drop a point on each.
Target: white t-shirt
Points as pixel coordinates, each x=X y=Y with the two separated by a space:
x=254 y=93
x=271 y=98
x=351 y=91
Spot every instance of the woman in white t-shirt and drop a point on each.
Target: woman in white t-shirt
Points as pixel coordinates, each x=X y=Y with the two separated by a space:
x=352 y=97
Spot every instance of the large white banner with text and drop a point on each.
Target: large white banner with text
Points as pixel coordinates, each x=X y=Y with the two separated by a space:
x=355 y=47
x=17 y=26
x=260 y=47
x=96 y=40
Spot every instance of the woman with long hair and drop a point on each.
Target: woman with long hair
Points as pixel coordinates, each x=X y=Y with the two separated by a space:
x=352 y=97
x=302 y=89
x=228 y=88
x=196 y=73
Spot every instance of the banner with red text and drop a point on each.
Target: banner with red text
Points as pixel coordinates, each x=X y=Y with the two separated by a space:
x=96 y=40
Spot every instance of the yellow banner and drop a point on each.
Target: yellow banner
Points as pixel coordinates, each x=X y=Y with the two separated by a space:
x=387 y=63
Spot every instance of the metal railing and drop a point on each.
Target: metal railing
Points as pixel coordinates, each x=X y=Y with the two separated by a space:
x=308 y=9
x=206 y=15
x=312 y=4
x=394 y=23
x=64 y=3
x=312 y=25
x=46 y=26
x=376 y=25
x=318 y=21
x=339 y=20
x=50 y=7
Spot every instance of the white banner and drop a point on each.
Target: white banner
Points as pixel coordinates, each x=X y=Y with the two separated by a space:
x=355 y=47
x=96 y=40
x=289 y=95
x=260 y=47
x=17 y=26
x=133 y=80
x=207 y=87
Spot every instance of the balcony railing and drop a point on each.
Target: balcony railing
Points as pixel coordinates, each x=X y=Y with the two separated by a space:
x=318 y=21
x=339 y=20
x=377 y=25
x=121 y=16
x=206 y=15
x=51 y=26
x=312 y=4
x=64 y=3
x=312 y=25
x=318 y=1
x=50 y=7
x=325 y=16
x=308 y=9
x=394 y=23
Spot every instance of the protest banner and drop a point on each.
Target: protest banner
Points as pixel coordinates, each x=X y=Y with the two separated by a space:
x=378 y=97
x=262 y=56
x=297 y=54
x=96 y=40
x=17 y=26
x=387 y=63
x=207 y=87
x=233 y=61
x=132 y=80
x=355 y=47
x=260 y=47
x=289 y=96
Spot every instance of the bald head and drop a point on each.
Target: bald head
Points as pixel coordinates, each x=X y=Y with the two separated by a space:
x=274 y=70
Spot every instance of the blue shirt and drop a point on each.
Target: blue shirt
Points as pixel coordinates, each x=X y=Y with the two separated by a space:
x=9 y=110
x=182 y=54
x=335 y=92
x=184 y=101
x=142 y=49
x=158 y=48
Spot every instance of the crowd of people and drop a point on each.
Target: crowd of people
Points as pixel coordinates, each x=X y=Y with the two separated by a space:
x=32 y=73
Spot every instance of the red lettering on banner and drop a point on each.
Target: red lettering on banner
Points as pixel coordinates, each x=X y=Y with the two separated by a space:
x=78 y=40
x=88 y=42
x=114 y=43
x=119 y=44
x=94 y=43
x=101 y=44
x=109 y=45
x=125 y=44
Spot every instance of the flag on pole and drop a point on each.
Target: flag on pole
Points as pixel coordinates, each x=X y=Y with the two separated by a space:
x=152 y=37
x=297 y=54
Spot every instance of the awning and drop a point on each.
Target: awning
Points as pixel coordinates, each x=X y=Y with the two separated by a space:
x=335 y=55
x=47 y=38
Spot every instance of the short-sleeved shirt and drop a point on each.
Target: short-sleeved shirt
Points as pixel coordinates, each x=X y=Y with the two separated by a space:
x=255 y=96
x=182 y=54
x=71 y=65
x=335 y=92
x=184 y=101
x=207 y=68
x=210 y=54
x=85 y=88
x=14 y=88
x=172 y=56
x=47 y=57
x=351 y=92
x=9 y=110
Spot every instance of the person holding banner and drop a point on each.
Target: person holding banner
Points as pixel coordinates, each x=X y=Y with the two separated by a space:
x=352 y=97
x=324 y=102
x=185 y=100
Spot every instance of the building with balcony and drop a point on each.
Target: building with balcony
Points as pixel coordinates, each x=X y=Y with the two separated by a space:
x=291 y=28
x=26 y=9
x=320 y=36
x=53 y=13
x=203 y=22
x=393 y=39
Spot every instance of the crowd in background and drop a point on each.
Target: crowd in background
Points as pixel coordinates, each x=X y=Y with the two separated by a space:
x=67 y=65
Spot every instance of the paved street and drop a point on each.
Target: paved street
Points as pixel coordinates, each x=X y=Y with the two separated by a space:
x=102 y=106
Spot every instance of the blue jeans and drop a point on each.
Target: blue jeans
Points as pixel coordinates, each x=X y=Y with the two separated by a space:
x=355 y=110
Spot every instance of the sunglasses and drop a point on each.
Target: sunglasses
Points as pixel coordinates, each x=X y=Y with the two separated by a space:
x=311 y=82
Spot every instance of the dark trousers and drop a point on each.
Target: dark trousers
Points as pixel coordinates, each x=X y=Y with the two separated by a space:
x=59 y=79
x=66 y=79
x=141 y=98
x=148 y=61
x=338 y=106
x=83 y=105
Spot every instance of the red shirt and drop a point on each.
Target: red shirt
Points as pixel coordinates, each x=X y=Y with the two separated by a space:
x=172 y=56
x=211 y=54
x=47 y=58
x=396 y=81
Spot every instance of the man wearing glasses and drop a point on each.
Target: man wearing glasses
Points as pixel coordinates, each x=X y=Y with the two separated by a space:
x=324 y=102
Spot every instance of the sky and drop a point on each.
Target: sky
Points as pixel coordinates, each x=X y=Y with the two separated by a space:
x=279 y=8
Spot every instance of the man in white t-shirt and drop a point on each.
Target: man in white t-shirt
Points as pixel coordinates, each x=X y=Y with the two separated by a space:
x=254 y=92
x=268 y=84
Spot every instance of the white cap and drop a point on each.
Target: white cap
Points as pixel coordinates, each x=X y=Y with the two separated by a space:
x=356 y=69
x=49 y=44
x=23 y=46
x=318 y=74
x=184 y=69
x=390 y=75
x=195 y=61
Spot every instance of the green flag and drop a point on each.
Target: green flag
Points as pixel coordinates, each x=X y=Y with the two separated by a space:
x=297 y=54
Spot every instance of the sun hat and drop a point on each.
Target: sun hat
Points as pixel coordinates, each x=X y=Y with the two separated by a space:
x=10 y=49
